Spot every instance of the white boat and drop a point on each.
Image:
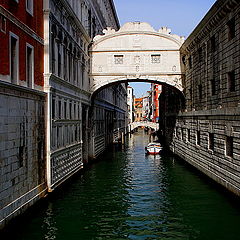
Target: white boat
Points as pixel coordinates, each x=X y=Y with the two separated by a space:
x=153 y=148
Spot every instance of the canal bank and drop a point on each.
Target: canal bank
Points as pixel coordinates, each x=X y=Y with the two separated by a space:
x=128 y=195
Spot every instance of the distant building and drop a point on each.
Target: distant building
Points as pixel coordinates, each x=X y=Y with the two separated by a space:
x=147 y=106
x=138 y=106
x=156 y=91
x=130 y=102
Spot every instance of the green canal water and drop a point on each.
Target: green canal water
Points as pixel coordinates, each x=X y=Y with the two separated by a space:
x=128 y=195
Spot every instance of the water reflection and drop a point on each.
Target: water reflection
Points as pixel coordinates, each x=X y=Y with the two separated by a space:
x=49 y=224
x=130 y=195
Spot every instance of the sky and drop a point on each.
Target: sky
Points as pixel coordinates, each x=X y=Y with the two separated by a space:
x=181 y=16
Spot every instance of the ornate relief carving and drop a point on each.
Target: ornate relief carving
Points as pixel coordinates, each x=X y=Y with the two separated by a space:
x=137 y=59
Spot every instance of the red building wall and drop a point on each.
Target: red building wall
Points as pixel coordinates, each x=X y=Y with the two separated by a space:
x=11 y=10
x=156 y=93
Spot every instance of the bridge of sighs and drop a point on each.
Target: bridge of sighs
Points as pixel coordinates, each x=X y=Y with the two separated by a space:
x=136 y=53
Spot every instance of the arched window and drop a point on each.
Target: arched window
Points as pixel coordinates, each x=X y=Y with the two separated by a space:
x=82 y=70
x=74 y=66
x=59 y=52
x=53 y=54
x=65 y=60
x=70 y=62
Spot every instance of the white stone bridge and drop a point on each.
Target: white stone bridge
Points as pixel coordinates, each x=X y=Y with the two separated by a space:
x=152 y=125
x=137 y=53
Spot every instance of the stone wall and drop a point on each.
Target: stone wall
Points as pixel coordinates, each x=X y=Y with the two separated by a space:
x=207 y=131
x=22 y=144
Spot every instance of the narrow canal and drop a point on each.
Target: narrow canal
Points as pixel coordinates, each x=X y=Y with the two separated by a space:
x=128 y=195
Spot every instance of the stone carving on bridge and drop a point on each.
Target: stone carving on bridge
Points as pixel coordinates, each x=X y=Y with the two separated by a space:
x=139 y=47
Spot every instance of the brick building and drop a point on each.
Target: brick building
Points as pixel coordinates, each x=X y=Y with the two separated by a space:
x=22 y=100
x=21 y=34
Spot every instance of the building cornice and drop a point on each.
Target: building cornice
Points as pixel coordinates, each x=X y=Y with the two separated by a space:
x=101 y=38
x=214 y=16
x=21 y=25
x=134 y=50
x=33 y=92
x=62 y=82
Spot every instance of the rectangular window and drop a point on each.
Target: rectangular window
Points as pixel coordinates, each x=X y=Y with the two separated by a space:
x=190 y=93
x=155 y=58
x=82 y=74
x=182 y=134
x=190 y=62
x=14 y=58
x=231 y=81
x=211 y=141
x=200 y=91
x=188 y=135
x=213 y=87
x=59 y=109
x=29 y=66
x=229 y=146
x=198 y=138
x=65 y=109
x=2 y=23
x=53 y=108
x=118 y=59
x=74 y=111
x=231 y=29
x=60 y=60
x=29 y=6
x=213 y=43
x=70 y=110
x=200 y=54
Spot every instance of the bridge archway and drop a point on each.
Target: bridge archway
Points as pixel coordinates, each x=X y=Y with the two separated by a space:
x=136 y=53
x=151 y=125
x=115 y=81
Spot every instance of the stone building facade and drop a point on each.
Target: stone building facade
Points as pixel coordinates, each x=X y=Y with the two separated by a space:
x=110 y=117
x=73 y=116
x=46 y=110
x=22 y=128
x=207 y=129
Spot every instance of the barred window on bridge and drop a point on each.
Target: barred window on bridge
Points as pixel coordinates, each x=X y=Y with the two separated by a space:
x=155 y=58
x=118 y=59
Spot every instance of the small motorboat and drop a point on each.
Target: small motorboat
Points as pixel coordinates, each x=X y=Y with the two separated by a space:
x=153 y=148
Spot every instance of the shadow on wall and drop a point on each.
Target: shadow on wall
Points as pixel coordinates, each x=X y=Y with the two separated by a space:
x=171 y=102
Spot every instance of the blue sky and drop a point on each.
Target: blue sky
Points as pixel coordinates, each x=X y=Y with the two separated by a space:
x=181 y=16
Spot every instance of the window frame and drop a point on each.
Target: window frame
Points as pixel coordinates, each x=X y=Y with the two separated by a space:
x=211 y=141
x=3 y=23
x=213 y=43
x=118 y=59
x=231 y=24
x=32 y=57
x=229 y=143
x=12 y=35
x=155 y=60
x=231 y=84
x=213 y=86
x=30 y=10
x=198 y=138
